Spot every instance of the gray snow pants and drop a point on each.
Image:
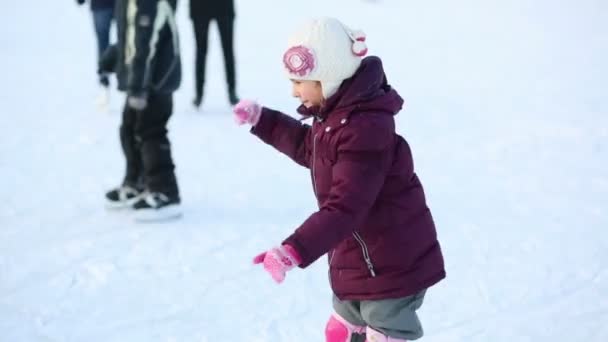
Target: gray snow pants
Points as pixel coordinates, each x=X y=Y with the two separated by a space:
x=392 y=317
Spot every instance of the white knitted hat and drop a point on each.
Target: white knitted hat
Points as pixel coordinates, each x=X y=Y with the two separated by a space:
x=324 y=50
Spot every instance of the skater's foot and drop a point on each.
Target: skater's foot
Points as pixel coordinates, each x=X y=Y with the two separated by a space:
x=122 y=197
x=197 y=101
x=156 y=207
x=376 y=336
x=103 y=99
x=232 y=97
x=104 y=80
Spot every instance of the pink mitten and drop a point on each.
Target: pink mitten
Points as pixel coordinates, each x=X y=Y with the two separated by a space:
x=278 y=261
x=247 y=111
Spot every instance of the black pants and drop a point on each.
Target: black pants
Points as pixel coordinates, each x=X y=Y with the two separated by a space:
x=143 y=136
x=201 y=31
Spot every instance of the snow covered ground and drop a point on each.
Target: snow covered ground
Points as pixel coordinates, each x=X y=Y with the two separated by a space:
x=506 y=114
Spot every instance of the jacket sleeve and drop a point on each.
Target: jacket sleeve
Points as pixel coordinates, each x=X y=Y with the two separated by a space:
x=358 y=175
x=145 y=20
x=285 y=134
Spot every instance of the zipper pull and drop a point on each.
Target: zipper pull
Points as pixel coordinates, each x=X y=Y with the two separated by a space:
x=371 y=268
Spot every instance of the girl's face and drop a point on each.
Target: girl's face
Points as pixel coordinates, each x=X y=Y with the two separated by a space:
x=309 y=92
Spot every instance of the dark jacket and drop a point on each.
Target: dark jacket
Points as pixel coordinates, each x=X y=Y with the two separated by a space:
x=211 y=8
x=146 y=58
x=373 y=220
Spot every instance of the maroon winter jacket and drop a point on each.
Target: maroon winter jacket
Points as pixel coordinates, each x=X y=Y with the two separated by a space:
x=373 y=220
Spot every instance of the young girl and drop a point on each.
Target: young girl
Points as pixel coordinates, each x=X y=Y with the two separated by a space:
x=373 y=221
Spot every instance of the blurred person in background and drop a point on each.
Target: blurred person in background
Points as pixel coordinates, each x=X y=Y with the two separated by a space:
x=103 y=13
x=202 y=12
x=147 y=63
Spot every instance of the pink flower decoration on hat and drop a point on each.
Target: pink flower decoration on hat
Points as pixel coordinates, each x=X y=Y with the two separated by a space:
x=299 y=60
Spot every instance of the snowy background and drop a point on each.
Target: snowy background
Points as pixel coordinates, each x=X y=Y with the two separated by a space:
x=507 y=116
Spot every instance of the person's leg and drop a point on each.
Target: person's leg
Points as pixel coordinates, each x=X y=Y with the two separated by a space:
x=346 y=324
x=102 y=20
x=201 y=31
x=127 y=193
x=155 y=151
x=131 y=148
x=393 y=320
x=226 y=28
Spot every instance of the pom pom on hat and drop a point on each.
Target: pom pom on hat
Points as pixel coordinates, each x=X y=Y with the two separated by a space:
x=359 y=46
x=324 y=50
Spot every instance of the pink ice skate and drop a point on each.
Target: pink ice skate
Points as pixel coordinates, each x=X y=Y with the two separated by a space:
x=339 y=330
x=375 y=336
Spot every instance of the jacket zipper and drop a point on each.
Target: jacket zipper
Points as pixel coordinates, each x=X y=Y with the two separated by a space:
x=368 y=260
x=314 y=185
x=314 y=151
